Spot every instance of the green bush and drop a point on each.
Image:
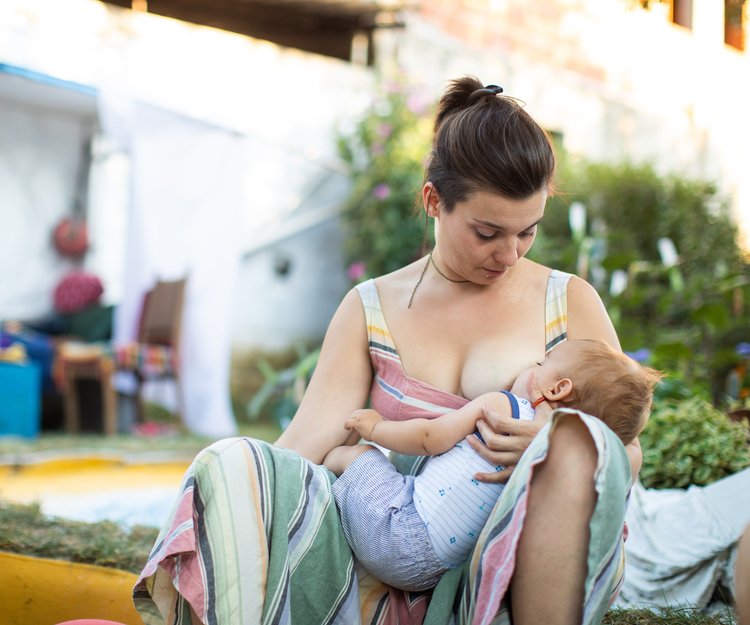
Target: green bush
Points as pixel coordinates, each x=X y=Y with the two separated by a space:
x=385 y=154
x=689 y=441
x=688 y=313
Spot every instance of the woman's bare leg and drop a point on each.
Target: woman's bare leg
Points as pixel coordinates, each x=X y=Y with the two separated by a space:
x=742 y=579
x=551 y=563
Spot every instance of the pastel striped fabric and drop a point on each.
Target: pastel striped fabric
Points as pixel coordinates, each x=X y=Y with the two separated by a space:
x=152 y=360
x=254 y=536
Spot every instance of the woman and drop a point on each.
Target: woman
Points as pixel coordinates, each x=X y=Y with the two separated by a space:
x=255 y=537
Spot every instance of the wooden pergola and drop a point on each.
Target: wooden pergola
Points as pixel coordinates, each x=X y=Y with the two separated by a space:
x=327 y=27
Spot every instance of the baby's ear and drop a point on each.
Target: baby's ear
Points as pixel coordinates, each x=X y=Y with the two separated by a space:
x=562 y=389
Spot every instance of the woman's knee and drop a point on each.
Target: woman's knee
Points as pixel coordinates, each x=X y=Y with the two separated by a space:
x=567 y=474
x=742 y=579
x=572 y=446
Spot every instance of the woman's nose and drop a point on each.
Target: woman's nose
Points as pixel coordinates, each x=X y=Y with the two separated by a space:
x=507 y=253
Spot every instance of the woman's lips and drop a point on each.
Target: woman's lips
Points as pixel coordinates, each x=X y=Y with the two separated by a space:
x=493 y=273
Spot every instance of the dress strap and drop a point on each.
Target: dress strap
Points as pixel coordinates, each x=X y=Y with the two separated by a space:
x=378 y=335
x=514 y=410
x=556 y=309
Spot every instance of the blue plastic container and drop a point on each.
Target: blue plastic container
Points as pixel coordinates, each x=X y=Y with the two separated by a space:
x=20 y=399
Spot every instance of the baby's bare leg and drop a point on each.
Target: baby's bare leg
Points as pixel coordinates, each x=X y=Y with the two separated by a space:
x=339 y=458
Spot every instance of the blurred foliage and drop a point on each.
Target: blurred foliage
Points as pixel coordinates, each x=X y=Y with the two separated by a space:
x=385 y=154
x=280 y=394
x=690 y=441
x=689 y=310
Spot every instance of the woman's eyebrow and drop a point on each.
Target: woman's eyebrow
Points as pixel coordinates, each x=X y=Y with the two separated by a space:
x=490 y=224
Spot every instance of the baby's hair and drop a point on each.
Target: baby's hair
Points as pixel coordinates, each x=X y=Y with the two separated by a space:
x=485 y=141
x=612 y=386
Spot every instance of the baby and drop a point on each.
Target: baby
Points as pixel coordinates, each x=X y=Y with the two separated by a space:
x=407 y=531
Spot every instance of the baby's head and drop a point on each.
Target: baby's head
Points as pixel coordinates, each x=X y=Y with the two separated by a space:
x=591 y=376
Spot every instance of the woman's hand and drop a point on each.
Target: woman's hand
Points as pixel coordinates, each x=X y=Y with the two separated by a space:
x=505 y=441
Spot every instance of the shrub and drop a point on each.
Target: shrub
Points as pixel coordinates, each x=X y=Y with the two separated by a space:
x=689 y=441
x=384 y=154
x=688 y=310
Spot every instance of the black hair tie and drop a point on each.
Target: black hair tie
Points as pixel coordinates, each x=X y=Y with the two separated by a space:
x=489 y=90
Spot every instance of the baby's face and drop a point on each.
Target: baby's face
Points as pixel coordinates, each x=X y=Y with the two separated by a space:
x=542 y=376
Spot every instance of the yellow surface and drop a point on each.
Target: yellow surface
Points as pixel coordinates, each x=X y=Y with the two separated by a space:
x=37 y=591
x=32 y=482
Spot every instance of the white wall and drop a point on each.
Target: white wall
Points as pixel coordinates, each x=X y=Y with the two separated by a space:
x=40 y=151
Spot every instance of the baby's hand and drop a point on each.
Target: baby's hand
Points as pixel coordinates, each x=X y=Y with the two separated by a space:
x=363 y=421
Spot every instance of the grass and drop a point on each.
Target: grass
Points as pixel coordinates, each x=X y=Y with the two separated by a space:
x=667 y=616
x=14 y=449
x=25 y=530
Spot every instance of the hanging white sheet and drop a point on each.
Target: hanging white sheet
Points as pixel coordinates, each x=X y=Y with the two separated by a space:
x=186 y=199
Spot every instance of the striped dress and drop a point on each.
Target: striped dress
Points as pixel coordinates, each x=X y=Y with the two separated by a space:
x=254 y=536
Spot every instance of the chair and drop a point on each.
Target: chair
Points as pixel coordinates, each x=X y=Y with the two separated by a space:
x=76 y=362
x=156 y=353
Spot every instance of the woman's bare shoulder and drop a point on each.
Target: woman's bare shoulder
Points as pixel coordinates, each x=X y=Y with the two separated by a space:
x=587 y=316
x=400 y=283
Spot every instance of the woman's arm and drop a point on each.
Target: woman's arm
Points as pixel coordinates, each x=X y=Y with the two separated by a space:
x=588 y=318
x=425 y=437
x=340 y=385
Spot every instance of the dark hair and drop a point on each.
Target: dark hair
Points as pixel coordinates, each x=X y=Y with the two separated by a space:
x=489 y=143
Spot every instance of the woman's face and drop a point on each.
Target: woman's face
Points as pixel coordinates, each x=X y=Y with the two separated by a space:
x=483 y=237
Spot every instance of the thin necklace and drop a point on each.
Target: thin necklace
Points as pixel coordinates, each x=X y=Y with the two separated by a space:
x=432 y=260
x=421 y=277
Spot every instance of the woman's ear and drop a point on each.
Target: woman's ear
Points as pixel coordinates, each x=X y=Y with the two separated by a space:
x=430 y=199
x=562 y=390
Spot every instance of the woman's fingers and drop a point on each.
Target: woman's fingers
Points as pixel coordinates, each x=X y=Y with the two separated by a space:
x=501 y=458
x=498 y=477
x=505 y=440
x=505 y=433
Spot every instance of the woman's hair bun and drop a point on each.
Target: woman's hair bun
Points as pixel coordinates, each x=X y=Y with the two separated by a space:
x=462 y=93
x=489 y=90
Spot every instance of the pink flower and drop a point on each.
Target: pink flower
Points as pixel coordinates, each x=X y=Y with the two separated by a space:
x=416 y=103
x=356 y=270
x=381 y=191
x=384 y=130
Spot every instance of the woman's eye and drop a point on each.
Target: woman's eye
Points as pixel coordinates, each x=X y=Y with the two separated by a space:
x=486 y=235
x=528 y=234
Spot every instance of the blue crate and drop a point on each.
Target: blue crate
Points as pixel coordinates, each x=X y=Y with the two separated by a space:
x=20 y=399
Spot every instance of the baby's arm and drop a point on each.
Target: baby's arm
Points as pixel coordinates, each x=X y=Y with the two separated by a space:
x=425 y=437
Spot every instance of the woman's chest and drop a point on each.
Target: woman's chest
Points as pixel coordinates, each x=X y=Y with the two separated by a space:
x=471 y=355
